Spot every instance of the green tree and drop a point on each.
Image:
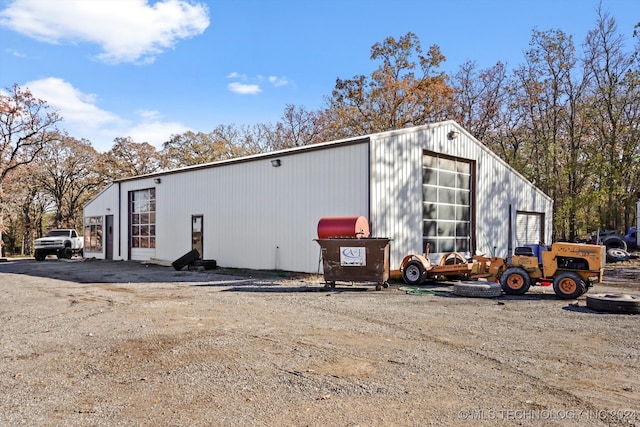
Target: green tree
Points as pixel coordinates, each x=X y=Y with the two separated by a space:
x=298 y=127
x=128 y=158
x=223 y=143
x=26 y=208
x=614 y=99
x=405 y=90
x=68 y=176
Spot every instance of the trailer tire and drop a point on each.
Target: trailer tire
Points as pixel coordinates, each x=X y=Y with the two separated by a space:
x=414 y=273
x=477 y=289
x=614 y=303
x=515 y=281
x=569 y=285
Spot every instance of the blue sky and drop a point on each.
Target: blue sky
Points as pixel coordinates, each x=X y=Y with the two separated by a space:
x=149 y=69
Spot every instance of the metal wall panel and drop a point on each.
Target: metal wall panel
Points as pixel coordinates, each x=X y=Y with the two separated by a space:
x=256 y=215
x=396 y=196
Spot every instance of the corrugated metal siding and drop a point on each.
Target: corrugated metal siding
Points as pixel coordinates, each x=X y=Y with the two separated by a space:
x=396 y=189
x=260 y=216
x=106 y=203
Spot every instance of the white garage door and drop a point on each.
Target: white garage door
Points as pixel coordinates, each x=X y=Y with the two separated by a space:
x=529 y=228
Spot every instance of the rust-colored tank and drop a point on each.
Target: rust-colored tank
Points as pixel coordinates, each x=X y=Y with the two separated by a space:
x=343 y=227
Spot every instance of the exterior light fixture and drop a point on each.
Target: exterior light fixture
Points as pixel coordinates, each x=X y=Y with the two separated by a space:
x=276 y=163
x=453 y=134
x=157 y=180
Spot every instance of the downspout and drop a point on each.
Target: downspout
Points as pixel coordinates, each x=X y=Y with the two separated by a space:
x=510 y=238
x=119 y=221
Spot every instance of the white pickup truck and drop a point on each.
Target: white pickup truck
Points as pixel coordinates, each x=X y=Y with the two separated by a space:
x=63 y=243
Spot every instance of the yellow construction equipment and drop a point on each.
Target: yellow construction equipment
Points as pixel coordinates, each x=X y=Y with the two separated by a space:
x=571 y=268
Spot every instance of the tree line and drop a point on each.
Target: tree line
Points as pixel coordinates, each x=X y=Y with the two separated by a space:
x=567 y=119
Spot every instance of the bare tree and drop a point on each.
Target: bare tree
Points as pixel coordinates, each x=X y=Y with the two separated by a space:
x=27 y=125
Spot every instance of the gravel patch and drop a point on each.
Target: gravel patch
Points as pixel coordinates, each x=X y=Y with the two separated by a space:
x=88 y=342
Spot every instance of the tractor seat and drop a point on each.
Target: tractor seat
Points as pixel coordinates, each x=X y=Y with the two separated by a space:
x=523 y=251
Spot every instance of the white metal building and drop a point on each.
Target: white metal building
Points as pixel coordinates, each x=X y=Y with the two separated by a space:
x=432 y=183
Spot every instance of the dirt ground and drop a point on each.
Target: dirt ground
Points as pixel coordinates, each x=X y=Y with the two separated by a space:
x=87 y=343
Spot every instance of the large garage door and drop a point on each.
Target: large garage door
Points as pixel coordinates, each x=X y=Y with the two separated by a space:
x=529 y=228
x=446 y=203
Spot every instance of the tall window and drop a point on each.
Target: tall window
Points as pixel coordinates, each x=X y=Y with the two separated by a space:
x=143 y=218
x=446 y=203
x=93 y=234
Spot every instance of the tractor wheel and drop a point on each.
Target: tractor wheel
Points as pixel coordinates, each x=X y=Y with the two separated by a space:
x=614 y=242
x=414 y=273
x=616 y=303
x=515 y=281
x=477 y=289
x=569 y=285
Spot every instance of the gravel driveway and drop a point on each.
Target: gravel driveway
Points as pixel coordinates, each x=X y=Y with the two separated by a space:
x=88 y=342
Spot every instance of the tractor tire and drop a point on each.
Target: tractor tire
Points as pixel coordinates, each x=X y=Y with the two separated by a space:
x=614 y=242
x=515 y=281
x=569 y=285
x=477 y=289
x=614 y=303
x=414 y=273
x=186 y=259
x=617 y=255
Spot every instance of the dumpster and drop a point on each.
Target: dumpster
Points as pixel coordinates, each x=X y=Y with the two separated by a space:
x=355 y=260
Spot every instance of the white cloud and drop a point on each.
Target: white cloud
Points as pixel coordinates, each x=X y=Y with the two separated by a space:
x=151 y=129
x=75 y=107
x=278 y=81
x=127 y=31
x=82 y=118
x=15 y=53
x=244 y=89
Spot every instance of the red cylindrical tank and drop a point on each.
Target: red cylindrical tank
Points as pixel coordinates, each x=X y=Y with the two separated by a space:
x=343 y=226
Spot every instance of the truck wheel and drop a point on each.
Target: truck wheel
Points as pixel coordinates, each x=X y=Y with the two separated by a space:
x=515 y=281
x=616 y=303
x=39 y=256
x=68 y=253
x=617 y=255
x=569 y=285
x=413 y=273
